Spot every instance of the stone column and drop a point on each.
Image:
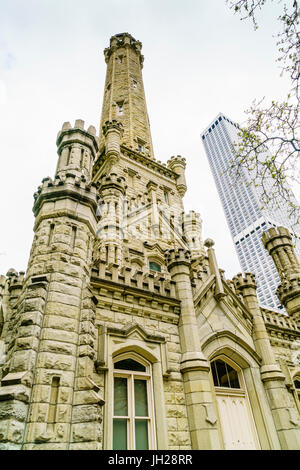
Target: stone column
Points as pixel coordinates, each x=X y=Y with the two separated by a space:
x=194 y=367
x=283 y=412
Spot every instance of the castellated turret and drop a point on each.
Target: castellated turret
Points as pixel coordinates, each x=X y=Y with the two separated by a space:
x=178 y=164
x=77 y=149
x=192 y=230
x=112 y=131
x=110 y=211
x=279 y=243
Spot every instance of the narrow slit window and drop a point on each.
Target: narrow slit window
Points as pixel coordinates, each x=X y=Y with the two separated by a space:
x=53 y=401
x=81 y=158
x=69 y=155
x=73 y=236
x=51 y=230
x=120 y=108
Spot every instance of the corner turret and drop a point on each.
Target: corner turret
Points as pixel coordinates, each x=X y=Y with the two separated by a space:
x=278 y=241
x=192 y=229
x=77 y=149
x=178 y=164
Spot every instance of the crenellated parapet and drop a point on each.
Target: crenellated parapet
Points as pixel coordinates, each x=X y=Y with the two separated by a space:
x=289 y=293
x=152 y=283
x=67 y=186
x=279 y=243
x=111 y=181
x=124 y=40
x=178 y=164
x=77 y=148
x=177 y=257
x=242 y=283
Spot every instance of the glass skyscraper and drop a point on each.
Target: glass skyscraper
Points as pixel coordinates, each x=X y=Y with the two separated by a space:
x=242 y=207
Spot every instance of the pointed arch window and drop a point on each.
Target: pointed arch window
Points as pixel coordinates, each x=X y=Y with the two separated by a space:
x=133 y=416
x=297 y=387
x=224 y=375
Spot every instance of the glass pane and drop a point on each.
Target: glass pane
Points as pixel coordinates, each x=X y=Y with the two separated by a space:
x=120 y=434
x=140 y=398
x=141 y=434
x=120 y=396
x=154 y=266
x=130 y=364
x=233 y=377
x=297 y=383
x=222 y=373
x=215 y=375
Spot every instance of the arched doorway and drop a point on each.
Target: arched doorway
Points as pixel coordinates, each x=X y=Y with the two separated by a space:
x=236 y=420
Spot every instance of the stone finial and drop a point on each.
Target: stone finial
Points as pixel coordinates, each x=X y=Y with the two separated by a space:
x=11 y=273
x=209 y=243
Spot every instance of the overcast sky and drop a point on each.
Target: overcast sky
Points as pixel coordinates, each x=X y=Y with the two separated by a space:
x=200 y=59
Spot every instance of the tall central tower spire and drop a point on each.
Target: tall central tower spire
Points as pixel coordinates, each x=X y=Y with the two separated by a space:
x=124 y=96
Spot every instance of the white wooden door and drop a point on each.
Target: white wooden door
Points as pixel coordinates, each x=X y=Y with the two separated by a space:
x=237 y=424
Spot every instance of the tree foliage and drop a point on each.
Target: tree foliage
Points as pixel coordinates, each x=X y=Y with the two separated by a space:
x=274 y=126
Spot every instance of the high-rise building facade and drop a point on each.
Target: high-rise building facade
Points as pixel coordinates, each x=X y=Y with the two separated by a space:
x=123 y=333
x=242 y=206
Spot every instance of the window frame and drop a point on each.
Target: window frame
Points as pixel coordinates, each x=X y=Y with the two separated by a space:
x=131 y=375
x=150 y=261
x=242 y=391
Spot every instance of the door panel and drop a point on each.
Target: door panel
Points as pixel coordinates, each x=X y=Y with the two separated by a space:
x=236 y=422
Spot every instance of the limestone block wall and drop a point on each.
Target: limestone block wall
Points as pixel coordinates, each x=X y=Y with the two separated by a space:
x=118 y=310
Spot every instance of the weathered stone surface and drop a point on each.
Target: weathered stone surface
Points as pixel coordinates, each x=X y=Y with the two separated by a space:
x=86 y=413
x=11 y=431
x=86 y=432
x=13 y=409
x=91 y=297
